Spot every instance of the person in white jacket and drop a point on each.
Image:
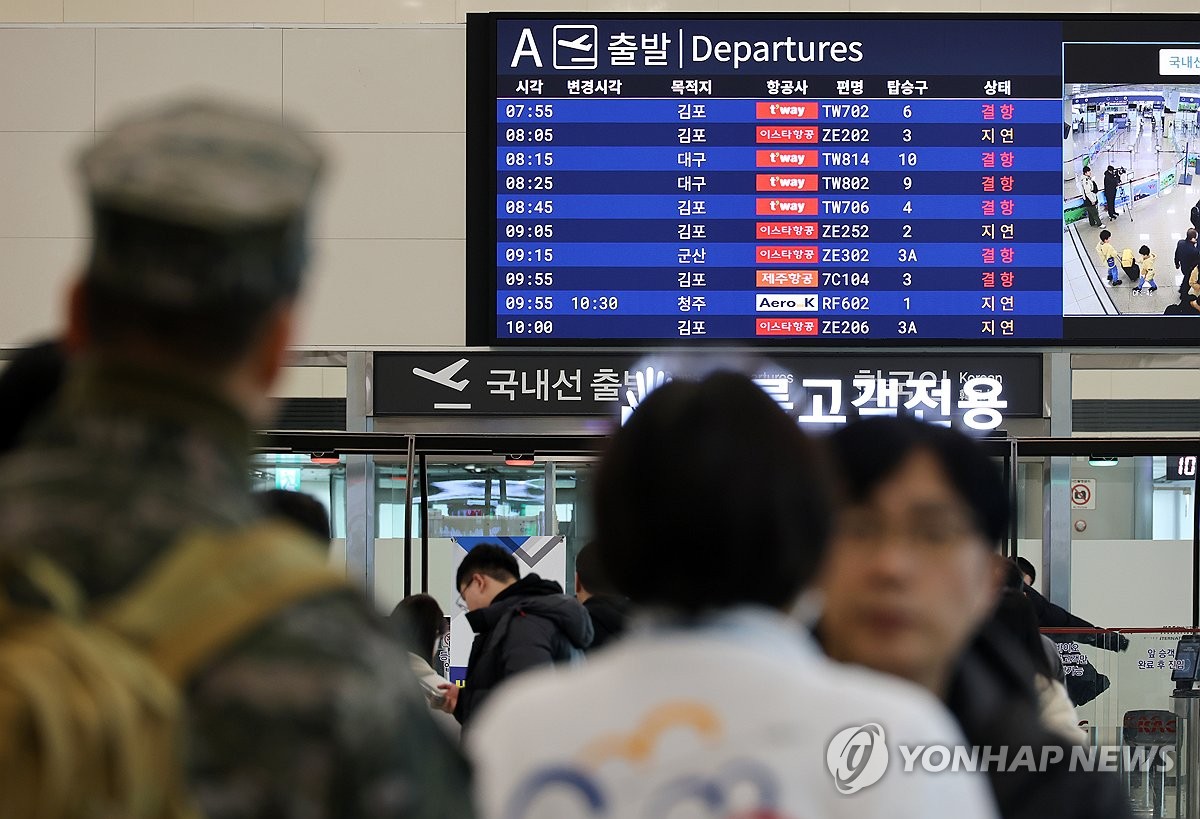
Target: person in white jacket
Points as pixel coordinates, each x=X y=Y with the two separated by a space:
x=713 y=511
x=1090 y=191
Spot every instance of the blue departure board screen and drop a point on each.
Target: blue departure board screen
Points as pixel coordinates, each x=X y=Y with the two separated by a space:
x=801 y=179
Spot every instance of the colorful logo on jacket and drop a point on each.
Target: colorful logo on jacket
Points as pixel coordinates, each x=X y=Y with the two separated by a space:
x=710 y=791
x=857 y=757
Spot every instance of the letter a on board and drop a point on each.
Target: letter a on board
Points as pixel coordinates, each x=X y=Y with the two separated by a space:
x=526 y=47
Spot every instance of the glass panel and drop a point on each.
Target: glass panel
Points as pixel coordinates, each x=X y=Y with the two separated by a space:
x=1136 y=710
x=1120 y=573
x=322 y=480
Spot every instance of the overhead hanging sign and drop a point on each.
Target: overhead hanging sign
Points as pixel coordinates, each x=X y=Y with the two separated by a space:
x=971 y=391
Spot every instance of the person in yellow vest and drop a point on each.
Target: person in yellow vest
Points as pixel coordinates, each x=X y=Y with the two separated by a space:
x=1147 y=264
x=1109 y=257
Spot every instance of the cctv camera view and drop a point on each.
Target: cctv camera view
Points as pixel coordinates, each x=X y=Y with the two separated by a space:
x=1130 y=207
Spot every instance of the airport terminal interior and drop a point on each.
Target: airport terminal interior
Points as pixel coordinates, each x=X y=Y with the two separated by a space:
x=423 y=429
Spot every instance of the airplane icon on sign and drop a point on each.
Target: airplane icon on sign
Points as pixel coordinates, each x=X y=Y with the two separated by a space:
x=575 y=47
x=445 y=376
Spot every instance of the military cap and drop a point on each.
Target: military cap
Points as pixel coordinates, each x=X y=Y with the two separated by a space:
x=197 y=201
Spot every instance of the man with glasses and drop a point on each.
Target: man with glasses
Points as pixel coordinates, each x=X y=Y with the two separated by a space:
x=519 y=623
x=910 y=585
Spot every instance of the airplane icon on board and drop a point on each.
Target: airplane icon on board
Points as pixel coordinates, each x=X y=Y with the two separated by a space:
x=445 y=376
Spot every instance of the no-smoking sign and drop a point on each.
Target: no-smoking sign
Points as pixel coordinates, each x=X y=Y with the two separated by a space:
x=1083 y=493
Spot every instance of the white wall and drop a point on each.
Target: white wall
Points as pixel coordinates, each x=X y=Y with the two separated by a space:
x=388 y=102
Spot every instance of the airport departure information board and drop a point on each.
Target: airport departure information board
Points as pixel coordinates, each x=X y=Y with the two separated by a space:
x=795 y=179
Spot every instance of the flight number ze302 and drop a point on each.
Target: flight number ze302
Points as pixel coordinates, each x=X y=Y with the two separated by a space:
x=845 y=254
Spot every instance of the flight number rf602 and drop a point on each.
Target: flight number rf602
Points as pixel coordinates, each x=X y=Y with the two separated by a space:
x=843 y=327
x=845 y=135
x=840 y=278
x=854 y=303
x=836 y=231
x=835 y=255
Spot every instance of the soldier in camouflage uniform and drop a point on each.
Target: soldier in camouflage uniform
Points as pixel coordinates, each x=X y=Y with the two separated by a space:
x=181 y=321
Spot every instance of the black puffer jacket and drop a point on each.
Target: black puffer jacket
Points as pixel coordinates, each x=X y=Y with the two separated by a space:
x=610 y=615
x=992 y=699
x=530 y=623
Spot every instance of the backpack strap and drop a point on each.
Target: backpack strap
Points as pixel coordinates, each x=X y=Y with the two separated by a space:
x=213 y=587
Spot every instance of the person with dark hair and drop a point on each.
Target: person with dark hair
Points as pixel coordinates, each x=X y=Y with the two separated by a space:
x=297 y=701
x=1112 y=180
x=712 y=514
x=1148 y=261
x=1110 y=260
x=609 y=609
x=1028 y=572
x=304 y=510
x=1014 y=615
x=1187 y=257
x=1090 y=192
x=422 y=626
x=28 y=387
x=520 y=623
x=911 y=583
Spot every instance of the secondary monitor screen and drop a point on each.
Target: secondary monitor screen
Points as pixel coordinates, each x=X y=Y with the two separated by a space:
x=806 y=180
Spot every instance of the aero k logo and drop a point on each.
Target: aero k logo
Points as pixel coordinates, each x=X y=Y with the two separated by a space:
x=857 y=757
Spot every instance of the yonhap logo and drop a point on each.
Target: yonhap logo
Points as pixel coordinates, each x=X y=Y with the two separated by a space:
x=857 y=757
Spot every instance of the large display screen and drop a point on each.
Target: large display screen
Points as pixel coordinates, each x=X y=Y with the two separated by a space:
x=975 y=180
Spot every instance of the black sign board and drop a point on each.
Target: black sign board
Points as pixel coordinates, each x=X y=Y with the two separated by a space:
x=815 y=388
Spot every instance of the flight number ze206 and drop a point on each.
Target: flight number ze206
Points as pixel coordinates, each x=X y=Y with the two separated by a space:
x=843 y=327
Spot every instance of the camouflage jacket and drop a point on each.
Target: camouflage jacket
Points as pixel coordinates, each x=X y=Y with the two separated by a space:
x=315 y=713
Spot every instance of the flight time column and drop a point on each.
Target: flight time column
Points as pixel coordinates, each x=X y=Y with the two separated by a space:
x=526 y=206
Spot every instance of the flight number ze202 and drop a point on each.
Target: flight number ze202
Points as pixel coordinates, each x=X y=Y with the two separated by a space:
x=845 y=135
